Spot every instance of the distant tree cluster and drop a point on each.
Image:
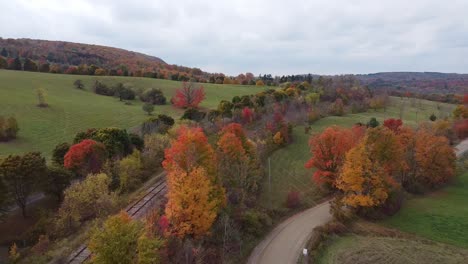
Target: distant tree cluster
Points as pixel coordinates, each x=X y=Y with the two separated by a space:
x=8 y=128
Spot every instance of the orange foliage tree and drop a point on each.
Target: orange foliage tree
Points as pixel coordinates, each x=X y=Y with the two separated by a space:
x=328 y=152
x=435 y=159
x=237 y=163
x=193 y=185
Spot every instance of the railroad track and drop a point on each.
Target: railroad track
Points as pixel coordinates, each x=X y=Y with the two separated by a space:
x=136 y=210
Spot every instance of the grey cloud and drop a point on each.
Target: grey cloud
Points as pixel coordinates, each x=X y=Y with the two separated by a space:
x=278 y=37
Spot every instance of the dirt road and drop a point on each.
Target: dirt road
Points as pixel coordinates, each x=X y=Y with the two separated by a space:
x=461 y=148
x=285 y=243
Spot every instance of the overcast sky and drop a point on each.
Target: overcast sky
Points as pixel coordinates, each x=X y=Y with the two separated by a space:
x=260 y=36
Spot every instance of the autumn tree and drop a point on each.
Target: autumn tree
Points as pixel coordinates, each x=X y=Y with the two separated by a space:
x=247 y=115
x=363 y=180
x=190 y=208
x=190 y=164
x=393 y=124
x=21 y=176
x=430 y=161
x=383 y=145
x=461 y=111
x=88 y=156
x=460 y=128
x=117 y=141
x=116 y=241
x=188 y=96
x=85 y=200
x=328 y=152
x=237 y=163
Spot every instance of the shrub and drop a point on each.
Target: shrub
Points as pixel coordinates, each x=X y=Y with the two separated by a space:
x=102 y=89
x=293 y=200
x=193 y=114
x=153 y=96
x=433 y=117
x=41 y=97
x=259 y=83
x=78 y=84
x=8 y=128
x=313 y=116
x=254 y=222
x=161 y=125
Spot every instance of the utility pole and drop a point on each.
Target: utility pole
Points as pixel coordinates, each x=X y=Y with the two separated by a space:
x=269 y=180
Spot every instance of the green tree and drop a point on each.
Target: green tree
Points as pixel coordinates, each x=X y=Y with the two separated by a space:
x=21 y=175
x=433 y=118
x=116 y=241
x=148 y=108
x=59 y=152
x=56 y=180
x=373 y=122
x=30 y=65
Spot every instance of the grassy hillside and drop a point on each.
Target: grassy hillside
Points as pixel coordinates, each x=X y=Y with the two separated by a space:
x=383 y=250
x=73 y=110
x=287 y=164
x=441 y=216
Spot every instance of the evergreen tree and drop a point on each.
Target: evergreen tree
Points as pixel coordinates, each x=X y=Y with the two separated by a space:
x=4 y=53
x=30 y=65
x=16 y=65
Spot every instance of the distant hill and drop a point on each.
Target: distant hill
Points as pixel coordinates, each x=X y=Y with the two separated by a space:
x=74 y=54
x=421 y=82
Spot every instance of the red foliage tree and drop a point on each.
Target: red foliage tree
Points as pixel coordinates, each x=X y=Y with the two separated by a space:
x=393 y=124
x=461 y=128
x=247 y=115
x=328 y=152
x=85 y=157
x=188 y=96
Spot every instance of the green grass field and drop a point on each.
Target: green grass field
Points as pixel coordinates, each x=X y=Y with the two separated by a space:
x=73 y=110
x=287 y=164
x=441 y=216
x=352 y=249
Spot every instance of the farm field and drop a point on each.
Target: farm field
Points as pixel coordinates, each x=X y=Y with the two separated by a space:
x=72 y=110
x=382 y=250
x=441 y=216
x=287 y=164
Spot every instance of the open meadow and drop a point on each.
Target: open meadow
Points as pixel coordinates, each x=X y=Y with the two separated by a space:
x=72 y=110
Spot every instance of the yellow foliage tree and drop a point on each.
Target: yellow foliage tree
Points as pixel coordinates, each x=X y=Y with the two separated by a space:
x=363 y=180
x=278 y=138
x=190 y=209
